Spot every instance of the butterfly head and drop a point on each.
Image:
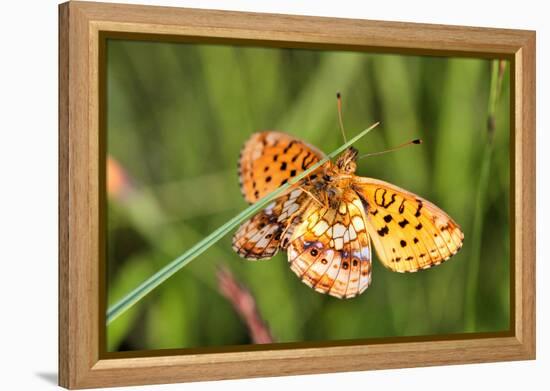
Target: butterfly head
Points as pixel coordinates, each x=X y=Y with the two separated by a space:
x=346 y=163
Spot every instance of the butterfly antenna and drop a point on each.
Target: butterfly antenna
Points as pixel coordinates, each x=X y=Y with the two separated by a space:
x=339 y=104
x=415 y=141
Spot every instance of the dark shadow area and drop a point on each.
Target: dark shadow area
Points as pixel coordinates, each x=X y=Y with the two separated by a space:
x=49 y=377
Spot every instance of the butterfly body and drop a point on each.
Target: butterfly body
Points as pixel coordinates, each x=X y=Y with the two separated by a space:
x=328 y=220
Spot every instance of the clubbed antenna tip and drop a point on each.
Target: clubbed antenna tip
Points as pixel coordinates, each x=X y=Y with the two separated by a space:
x=415 y=141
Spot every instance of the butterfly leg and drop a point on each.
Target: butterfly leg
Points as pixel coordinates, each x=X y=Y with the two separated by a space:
x=310 y=194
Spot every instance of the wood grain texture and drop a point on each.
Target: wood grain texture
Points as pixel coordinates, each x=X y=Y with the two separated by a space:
x=80 y=361
x=525 y=188
x=64 y=353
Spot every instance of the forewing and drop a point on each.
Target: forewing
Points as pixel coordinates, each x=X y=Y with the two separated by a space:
x=269 y=159
x=330 y=249
x=408 y=232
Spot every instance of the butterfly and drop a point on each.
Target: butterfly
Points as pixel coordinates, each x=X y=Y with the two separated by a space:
x=329 y=221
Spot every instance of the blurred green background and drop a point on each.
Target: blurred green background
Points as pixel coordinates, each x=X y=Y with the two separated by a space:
x=177 y=116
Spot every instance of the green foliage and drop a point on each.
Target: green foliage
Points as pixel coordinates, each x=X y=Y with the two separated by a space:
x=177 y=117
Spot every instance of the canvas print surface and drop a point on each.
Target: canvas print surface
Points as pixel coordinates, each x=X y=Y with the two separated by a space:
x=411 y=242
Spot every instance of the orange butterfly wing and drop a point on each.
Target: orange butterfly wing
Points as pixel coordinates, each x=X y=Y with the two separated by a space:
x=330 y=250
x=269 y=159
x=267 y=231
x=329 y=246
x=408 y=232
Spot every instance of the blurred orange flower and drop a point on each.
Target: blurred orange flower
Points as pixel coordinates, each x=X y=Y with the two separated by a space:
x=118 y=181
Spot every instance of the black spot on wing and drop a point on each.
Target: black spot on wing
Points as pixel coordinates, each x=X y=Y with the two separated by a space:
x=418 y=208
x=383 y=231
x=380 y=198
x=295 y=157
x=402 y=206
x=289 y=146
x=304 y=160
x=307 y=162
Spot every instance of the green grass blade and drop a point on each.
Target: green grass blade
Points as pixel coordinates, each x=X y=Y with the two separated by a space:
x=470 y=316
x=163 y=274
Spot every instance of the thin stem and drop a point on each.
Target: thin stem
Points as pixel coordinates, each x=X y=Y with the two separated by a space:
x=245 y=305
x=472 y=282
x=169 y=270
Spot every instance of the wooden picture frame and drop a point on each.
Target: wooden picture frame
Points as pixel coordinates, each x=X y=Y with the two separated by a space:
x=82 y=364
